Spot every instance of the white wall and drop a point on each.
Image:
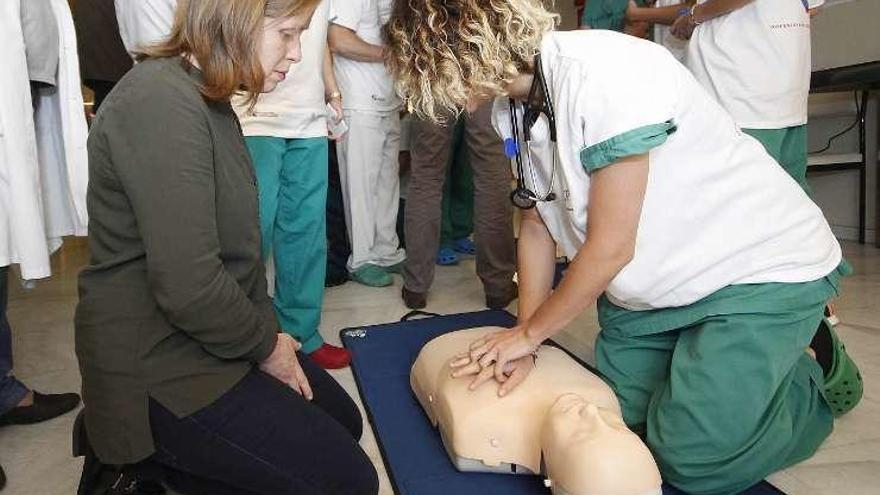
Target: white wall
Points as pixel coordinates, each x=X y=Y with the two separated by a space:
x=837 y=192
x=846 y=32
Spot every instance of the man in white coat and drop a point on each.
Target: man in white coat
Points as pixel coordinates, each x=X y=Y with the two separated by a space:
x=753 y=56
x=368 y=166
x=42 y=171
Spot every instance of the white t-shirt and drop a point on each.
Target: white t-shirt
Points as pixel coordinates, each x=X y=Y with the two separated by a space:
x=718 y=210
x=364 y=85
x=144 y=22
x=296 y=108
x=756 y=62
x=663 y=34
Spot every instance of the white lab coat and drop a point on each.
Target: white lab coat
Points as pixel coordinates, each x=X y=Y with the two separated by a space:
x=43 y=157
x=62 y=133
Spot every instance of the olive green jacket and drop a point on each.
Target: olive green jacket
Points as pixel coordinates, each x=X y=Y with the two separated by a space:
x=173 y=304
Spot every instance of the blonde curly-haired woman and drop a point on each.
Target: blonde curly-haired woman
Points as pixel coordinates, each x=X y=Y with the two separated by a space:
x=710 y=265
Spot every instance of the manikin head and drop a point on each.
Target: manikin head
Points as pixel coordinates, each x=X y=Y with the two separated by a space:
x=588 y=450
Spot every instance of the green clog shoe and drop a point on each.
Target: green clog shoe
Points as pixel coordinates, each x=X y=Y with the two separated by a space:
x=843 y=383
x=395 y=268
x=372 y=276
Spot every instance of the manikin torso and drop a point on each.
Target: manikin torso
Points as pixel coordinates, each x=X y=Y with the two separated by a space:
x=561 y=414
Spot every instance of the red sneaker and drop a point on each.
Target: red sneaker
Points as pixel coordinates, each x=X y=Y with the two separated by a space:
x=331 y=357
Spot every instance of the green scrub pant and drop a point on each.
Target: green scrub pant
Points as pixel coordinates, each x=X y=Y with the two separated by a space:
x=722 y=389
x=788 y=146
x=457 y=220
x=292 y=183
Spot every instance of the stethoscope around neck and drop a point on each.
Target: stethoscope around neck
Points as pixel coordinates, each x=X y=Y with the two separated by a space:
x=522 y=197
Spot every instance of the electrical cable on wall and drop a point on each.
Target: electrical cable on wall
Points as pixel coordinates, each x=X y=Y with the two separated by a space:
x=849 y=128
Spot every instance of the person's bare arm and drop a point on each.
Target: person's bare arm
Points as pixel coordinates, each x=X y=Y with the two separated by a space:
x=347 y=43
x=684 y=26
x=616 y=195
x=717 y=8
x=660 y=15
x=331 y=88
x=536 y=262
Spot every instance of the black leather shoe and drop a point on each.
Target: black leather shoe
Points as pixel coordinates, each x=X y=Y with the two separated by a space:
x=45 y=407
x=413 y=300
x=102 y=479
x=503 y=300
x=110 y=481
x=129 y=484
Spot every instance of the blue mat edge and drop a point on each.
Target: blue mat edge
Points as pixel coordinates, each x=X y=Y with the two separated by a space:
x=425 y=315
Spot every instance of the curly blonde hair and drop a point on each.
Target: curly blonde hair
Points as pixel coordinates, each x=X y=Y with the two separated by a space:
x=442 y=52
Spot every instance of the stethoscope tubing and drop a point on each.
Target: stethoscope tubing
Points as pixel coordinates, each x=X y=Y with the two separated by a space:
x=522 y=197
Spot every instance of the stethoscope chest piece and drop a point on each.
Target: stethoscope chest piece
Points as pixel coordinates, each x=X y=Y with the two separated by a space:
x=522 y=198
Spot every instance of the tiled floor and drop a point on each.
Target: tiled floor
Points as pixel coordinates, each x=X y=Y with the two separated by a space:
x=38 y=462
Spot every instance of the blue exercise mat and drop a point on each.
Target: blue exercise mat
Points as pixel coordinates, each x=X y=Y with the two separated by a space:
x=415 y=459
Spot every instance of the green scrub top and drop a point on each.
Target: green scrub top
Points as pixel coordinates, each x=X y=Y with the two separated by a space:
x=606 y=14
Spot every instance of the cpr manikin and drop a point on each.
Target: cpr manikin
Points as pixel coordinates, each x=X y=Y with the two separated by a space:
x=561 y=414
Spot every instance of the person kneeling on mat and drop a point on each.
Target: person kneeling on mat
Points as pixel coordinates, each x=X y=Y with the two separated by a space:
x=186 y=378
x=710 y=265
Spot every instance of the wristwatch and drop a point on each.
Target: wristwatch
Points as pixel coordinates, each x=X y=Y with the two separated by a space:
x=693 y=15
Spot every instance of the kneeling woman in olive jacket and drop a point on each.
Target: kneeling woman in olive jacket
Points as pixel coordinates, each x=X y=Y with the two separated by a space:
x=178 y=346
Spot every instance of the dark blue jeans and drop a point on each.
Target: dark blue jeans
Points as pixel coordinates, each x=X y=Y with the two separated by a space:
x=263 y=438
x=12 y=391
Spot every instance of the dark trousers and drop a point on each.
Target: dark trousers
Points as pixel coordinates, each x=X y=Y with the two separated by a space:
x=263 y=438
x=493 y=215
x=12 y=391
x=338 y=247
x=457 y=217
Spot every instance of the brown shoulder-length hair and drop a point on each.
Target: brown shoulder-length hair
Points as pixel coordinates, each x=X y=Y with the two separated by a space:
x=224 y=37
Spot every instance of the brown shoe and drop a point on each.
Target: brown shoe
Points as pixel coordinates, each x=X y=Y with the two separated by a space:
x=413 y=300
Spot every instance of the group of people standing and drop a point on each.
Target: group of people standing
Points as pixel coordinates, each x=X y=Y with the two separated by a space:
x=327 y=86
x=343 y=79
